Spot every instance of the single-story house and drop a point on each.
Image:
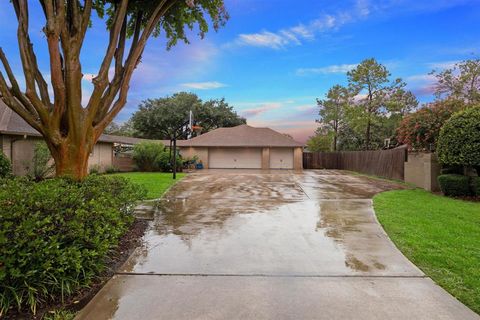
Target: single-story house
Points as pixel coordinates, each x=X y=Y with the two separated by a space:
x=18 y=138
x=244 y=147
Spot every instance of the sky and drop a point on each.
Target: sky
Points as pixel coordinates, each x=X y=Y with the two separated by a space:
x=275 y=57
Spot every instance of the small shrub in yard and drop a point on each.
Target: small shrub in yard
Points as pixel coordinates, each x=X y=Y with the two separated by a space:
x=55 y=235
x=94 y=169
x=111 y=169
x=475 y=183
x=147 y=155
x=42 y=165
x=455 y=185
x=5 y=166
x=152 y=156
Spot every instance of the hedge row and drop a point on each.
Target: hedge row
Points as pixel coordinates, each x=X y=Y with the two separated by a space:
x=456 y=185
x=55 y=235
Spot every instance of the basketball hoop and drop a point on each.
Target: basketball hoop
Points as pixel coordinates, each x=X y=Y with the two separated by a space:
x=196 y=128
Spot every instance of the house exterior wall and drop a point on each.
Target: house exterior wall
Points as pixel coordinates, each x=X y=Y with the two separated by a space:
x=203 y=155
x=422 y=170
x=101 y=156
x=20 y=150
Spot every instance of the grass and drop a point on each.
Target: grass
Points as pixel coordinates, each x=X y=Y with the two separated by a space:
x=156 y=183
x=438 y=234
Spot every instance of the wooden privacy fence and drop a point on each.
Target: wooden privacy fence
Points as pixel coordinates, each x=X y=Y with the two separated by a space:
x=383 y=163
x=123 y=162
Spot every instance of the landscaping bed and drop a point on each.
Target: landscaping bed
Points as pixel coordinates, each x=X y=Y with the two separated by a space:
x=59 y=238
x=438 y=234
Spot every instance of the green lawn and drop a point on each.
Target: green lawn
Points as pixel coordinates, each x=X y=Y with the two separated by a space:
x=155 y=182
x=440 y=235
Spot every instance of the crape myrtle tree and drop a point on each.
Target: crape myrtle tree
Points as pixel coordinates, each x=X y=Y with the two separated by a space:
x=460 y=82
x=69 y=128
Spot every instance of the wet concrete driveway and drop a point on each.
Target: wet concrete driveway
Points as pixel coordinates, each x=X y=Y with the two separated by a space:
x=270 y=245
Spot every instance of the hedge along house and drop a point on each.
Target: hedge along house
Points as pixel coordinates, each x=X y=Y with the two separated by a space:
x=244 y=147
x=18 y=138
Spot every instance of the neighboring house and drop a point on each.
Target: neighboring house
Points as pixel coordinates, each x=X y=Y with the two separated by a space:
x=18 y=138
x=241 y=147
x=244 y=147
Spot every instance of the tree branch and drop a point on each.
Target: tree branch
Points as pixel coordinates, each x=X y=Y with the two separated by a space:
x=100 y=82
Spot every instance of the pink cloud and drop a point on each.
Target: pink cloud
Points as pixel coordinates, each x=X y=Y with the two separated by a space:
x=299 y=130
x=253 y=112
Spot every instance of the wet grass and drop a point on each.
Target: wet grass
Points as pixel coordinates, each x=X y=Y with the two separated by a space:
x=438 y=234
x=155 y=182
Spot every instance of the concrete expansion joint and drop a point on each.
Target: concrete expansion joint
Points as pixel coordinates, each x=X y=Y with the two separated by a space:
x=261 y=275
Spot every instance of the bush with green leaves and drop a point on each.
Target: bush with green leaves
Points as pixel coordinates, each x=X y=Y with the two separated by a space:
x=42 y=165
x=55 y=235
x=94 y=169
x=152 y=156
x=111 y=169
x=475 y=184
x=454 y=185
x=5 y=166
x=147 y=155
x=459 y=141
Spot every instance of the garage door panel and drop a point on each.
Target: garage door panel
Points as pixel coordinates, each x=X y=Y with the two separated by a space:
x=281 y=158
x=237 y=158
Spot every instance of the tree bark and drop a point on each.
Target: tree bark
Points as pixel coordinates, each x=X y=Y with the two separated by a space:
x=367 y=135
x=71 y=155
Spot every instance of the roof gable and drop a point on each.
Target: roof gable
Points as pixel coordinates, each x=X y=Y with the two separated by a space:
x=242 y=136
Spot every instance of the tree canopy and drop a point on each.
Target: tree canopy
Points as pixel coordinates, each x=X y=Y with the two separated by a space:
x=376 y=98
x=55 y=109
x=461 y=82
x=158 y=118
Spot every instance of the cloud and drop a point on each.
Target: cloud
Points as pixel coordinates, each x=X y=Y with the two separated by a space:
x=89 y=77
x=338 y=68
x=421 y=78
x=300 y=130
x=253 y=112
x=204 y=85
x=442 y=65
x=305 y=32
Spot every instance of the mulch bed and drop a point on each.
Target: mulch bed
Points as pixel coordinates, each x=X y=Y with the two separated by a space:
x=127 y=244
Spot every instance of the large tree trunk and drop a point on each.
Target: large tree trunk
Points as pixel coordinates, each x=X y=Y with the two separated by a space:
x=71 y=155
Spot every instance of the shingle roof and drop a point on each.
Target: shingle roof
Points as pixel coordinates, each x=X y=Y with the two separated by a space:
x=242 y=136
x=12 y=123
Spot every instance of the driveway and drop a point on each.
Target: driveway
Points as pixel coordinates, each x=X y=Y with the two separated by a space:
x=271 y=245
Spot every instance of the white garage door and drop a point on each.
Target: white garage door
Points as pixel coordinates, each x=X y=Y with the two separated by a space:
x=239 y=158
x=281 y=158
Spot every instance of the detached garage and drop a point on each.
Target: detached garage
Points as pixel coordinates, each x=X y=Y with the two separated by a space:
x=244 y=147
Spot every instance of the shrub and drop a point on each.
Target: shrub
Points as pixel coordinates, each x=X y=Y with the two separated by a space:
x=475 y=184
x=41 y=165
x=5 y=166
x=420 y=130
x=455 y=185
x=94 y=169
x=55 y=235
x=111 y=169
x=147 y=155
x=459 y=141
